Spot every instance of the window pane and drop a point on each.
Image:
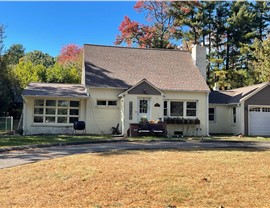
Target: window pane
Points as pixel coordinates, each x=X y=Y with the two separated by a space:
x=191 y=105
x=50 y=119
x=39 y=103
x=74 y=103
x=63 y=103
x=211 y=110
x=62 y=120
x=211 y=117
x=38 y=119
x=176 y=108
x=165 y=112
x=191 y=112
x=112 y=103
x=62 y=111
x=50 y=102
x=38 y=110
x=74 y=112
x=130 y=110
x=50 y=111
x=73 y=119
x=143 y=106
x=165 y=104
x=101 y=102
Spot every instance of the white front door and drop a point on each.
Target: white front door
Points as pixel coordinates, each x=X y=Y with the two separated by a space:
x=143 y=109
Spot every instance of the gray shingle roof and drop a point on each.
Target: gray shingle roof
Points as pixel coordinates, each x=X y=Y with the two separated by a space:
x=121 y=67
x=232 y=96
x=55 y=90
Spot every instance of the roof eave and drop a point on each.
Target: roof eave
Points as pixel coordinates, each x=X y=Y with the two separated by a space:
x=253 y=93
x=53 y=96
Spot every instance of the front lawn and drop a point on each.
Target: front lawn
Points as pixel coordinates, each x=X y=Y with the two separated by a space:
x=17 y=140
x=213 y=178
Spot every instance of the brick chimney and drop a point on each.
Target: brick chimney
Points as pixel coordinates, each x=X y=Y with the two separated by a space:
x=198 y=55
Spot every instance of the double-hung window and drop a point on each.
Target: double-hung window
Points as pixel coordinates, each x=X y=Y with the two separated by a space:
x=191 y=109
x=211 y=114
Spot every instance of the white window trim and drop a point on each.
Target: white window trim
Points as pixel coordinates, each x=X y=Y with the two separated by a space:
x=56 y=107
x=184 y=108
x=107 y=103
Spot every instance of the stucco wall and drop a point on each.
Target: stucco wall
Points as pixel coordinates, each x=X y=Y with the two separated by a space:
x=30 y=128
x=202 y=112
x=223 y=123
x=101 y=119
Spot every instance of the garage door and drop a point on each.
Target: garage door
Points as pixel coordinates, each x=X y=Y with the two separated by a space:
x=259 y=121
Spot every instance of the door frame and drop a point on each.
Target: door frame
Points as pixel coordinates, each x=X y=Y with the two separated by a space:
x=148 y=114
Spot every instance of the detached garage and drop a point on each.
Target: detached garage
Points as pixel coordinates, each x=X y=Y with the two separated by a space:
x=243 y=111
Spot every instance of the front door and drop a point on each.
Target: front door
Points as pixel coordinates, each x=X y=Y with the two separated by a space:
x=143 y=109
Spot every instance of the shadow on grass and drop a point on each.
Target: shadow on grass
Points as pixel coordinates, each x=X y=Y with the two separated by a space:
x=18 y=140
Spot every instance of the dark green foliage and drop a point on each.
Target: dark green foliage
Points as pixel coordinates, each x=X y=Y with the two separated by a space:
x=14 y=54
x=40 y=58
x=228 y=30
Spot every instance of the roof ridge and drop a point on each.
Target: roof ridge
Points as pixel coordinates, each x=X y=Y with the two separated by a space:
x=124 y=47
x=254 y=85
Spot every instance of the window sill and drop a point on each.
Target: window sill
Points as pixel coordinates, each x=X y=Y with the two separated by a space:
x=51 y=125
x=107 y=107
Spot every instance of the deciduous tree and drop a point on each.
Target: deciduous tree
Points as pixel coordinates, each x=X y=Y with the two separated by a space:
x=159 y=31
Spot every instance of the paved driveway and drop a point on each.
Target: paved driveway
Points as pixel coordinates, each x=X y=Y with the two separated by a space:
x=15 y=158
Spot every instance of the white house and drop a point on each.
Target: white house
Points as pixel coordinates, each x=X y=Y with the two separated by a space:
x=243 y=111
x=121 y=85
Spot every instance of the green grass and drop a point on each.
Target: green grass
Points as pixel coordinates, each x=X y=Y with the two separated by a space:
x=16 y=140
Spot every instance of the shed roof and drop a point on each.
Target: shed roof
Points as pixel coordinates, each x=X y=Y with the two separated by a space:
x=55 y=90
x=123 y=67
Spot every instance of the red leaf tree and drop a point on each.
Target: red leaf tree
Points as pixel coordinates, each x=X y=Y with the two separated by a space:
x=159 y=32
x=70 y=54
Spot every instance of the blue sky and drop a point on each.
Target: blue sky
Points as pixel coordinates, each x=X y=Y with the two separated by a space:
x=48 y=26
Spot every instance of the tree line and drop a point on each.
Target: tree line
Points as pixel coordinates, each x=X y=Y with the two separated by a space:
x=235 y=33
x=18 y=69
